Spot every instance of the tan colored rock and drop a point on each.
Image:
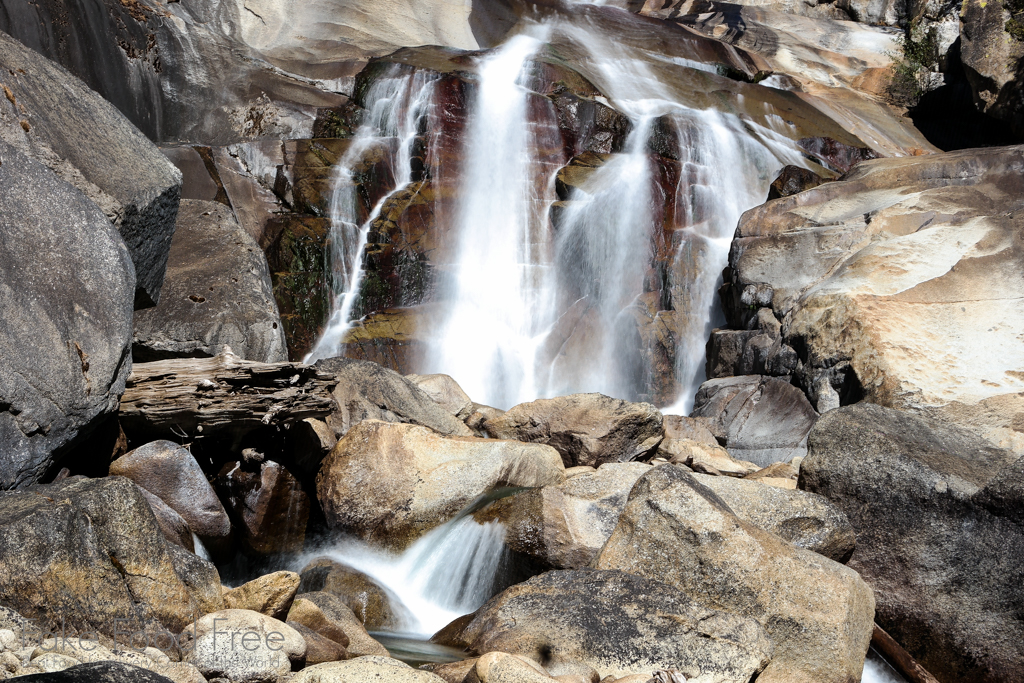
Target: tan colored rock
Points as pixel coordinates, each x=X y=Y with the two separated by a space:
x=818 y=613
x=779 y=470
x=270 y=594
x=691 y=453
x=462 y=671
x=376 y=607
x=369 y=669
x=479 y=416
x=52 y=662
x=804 y=519
x=446 y=392
x=243 y=646
x=565 y=526
x=614 y=623
x=692 y=428
x=312 y=617
x=501 y=667
x=318 y=648
x=776 y=482
x=579 y=469
x=390 y=483
x=339 y=615
x=903 y=282
x=179 y=672
x=586 y=429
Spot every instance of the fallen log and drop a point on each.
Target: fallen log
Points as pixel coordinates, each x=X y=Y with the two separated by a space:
x=906 y=665
x=223 y=395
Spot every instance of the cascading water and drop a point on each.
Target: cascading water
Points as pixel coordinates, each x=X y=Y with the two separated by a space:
x=395 y=104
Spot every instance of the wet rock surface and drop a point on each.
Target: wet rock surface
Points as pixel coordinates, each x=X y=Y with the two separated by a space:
x=368 y=600
x=921 y=495
x=268 y=505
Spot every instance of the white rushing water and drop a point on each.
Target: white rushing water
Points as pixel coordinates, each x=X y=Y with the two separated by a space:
x=529 y=309
x=394 y=105
x=448 y=572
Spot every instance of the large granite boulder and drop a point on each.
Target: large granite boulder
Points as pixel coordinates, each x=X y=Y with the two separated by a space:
x=368 y=391
x=818 y=613
x=586 y=429
x=390 y=483
x=758 y=419
x=217 y=293
x=53 y=117
x=375 y=606
x=225 y=70
x=900 y=284
x=327 y=614
x=366 y=669
x=66 y=289
x=940 y=533
x=89 y=553
x=617 y=623
x=169 y=472
x=564 y=526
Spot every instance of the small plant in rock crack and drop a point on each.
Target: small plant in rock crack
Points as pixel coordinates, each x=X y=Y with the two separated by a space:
x=1015 y=24
x=909 y=59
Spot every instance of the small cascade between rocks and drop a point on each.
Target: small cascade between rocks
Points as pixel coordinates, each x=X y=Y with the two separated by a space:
x=395 y=104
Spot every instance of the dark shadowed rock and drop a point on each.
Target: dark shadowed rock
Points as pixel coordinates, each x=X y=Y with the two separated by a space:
x=53 y=117
x=939 y=531
x=793 y=180
x=89 y=551
x=217 y=293
x=66 y=288
x=586 y=429
x=98 y=672
x=617 y=623
x=268 y=506
x=169 y=472
x=818 y=613
x=369 y=391
x=759 y=419
x=368 y=600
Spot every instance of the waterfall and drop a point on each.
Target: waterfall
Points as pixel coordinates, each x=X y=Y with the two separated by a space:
x=448 y=572
x=395 y=104
x=613 y=290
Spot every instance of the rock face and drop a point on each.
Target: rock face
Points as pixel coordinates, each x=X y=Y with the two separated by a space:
x=268 y=507
x=243 y=646
x=390 y=483
x=758 y=419
x=370 y=602
x=802 y=518
x=270 y=594
x=98 y=672
x=446 y=392
x=565 y=526
x=992 y=49
x=217 y=293
x=89 y=551
x=842 y=267
x=586 y=429
x=53 y=117
x=937 y=513
x=368 y=391
x=817 y=613
x=339 y=617
x=606 y=619
x=66 y=288
x=169 y=472
x=171 y=524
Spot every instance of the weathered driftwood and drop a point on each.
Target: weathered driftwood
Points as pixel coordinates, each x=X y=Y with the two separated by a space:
x=224 y=395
